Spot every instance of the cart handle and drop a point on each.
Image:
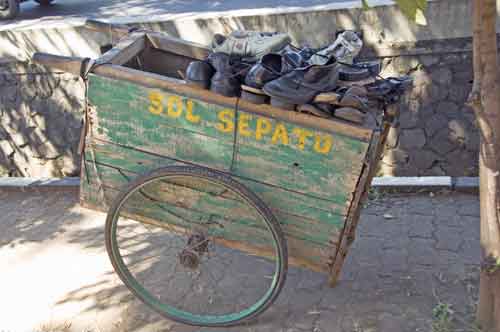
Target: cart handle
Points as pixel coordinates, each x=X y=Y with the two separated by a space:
x=70 y=64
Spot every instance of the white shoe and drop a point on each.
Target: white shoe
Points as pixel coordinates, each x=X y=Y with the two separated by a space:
x=345 y=48
x=251 y=45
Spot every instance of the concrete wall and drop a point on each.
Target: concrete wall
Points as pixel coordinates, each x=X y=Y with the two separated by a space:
x=437 y=133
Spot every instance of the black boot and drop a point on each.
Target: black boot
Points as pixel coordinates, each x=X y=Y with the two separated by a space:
x=268 y=69
x=225 y=80
x=272 y=66
x=301 y=85
x=199 y=73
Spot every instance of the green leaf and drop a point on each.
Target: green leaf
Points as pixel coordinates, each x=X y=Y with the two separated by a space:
x=365 y=4
x=414 y=10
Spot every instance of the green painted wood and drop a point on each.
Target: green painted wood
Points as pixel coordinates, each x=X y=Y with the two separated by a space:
x=133 y=162
x=301 y=228
x=201 y=143
x=300 y=247
x=306 y=176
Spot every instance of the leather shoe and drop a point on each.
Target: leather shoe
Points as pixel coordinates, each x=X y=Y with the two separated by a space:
x=301 y=85
x=225 y=80
x=199 y=73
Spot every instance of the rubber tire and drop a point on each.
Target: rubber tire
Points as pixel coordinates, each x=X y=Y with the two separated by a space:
x=10 y=12
x=44 y=2
x=224 y=180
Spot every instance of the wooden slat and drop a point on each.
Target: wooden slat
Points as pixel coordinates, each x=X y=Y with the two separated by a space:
x=132 y=163
x=301 y=253
x=118 y=73
x=348 y=233
x=303 y=228
x=289 y=165
x=68 y=64
x=178 y=46
x=126 y=49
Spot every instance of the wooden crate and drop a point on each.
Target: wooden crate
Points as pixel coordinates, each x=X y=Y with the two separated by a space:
x=311 y=172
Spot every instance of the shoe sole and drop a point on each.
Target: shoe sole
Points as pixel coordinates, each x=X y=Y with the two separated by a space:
x=222 y=89
x=282 y=104
x=205 y=85
x=254 y=98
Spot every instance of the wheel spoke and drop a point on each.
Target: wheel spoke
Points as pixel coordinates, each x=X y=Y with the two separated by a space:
x=176 y=257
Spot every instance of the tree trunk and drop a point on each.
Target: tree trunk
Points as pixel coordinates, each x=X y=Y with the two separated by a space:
x=485 y=100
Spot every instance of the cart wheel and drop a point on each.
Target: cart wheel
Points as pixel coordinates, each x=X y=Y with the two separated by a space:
x=9 y=9
x=196 y=246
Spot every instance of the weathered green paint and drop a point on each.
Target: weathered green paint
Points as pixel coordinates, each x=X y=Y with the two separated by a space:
x=307 y=184
x=134 y=162
x=301 y=228
x=285 y=166
x=308 y=240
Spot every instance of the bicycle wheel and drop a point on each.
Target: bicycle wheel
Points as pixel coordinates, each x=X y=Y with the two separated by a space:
x=196 y=246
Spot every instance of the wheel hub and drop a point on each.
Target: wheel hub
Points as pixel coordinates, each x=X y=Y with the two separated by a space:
x=189 y=259
x=197 y=245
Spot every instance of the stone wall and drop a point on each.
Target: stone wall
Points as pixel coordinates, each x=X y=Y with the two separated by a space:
x=437 y=133
x=40 y=121
x=41 y=115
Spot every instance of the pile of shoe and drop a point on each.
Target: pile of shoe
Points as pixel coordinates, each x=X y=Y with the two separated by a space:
x=265 y=67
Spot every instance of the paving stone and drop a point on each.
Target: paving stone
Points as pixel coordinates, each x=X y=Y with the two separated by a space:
x=422 y=206
x=470 y=226
x=394 y=260
x=469 y=208
x=368 y=251
x=448 y=238
x=391 y=323
x=329 y=321
x=385 y=296
x=421 y=226
x=470 y=252
x=421 y=252
x=370 y=225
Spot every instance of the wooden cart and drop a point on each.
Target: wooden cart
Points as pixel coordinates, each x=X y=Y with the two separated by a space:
x=311 y=173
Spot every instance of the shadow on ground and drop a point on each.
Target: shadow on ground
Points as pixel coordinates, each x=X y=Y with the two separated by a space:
x=414 y=254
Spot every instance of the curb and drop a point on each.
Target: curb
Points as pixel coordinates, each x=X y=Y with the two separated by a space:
x=17 y=183
x=428 y=183
x=468 y=184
